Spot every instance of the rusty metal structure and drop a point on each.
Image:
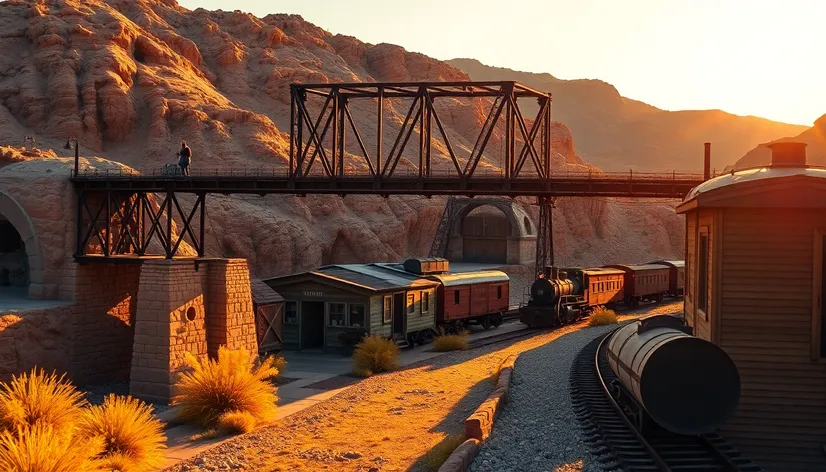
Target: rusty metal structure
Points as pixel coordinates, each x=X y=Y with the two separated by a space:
x=544 y=236
x=119 y=219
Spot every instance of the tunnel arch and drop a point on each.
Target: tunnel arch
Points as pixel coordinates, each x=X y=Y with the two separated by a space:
x=485 y=231
x=13 y=212
x=519 y=244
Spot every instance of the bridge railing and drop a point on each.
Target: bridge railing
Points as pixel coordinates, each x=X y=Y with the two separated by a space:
x=400 y=174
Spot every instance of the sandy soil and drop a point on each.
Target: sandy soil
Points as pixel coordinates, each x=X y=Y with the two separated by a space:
x=388 y=422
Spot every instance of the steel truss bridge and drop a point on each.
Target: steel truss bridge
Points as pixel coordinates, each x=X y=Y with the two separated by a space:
x=119 y=220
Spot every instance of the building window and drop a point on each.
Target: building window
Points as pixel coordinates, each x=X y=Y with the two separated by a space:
x=411 y=302
x=290 y=312
x=356 y=319
x=702 y=276
x=425 y=302
x=499 y=292
x=456 y=297
x=337 y=314
x=388 y=309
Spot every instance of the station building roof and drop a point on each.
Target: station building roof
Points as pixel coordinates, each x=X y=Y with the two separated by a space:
x=787 y=183
x=369 y=277
x=263 y=294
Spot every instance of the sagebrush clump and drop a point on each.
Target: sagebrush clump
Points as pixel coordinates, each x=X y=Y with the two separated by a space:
x=373 y=355
x=37 y=398
x=602 y=316
x=234 y=382
x=236 y=422
x=132 y=438
x=44 y=448
x=451 y=342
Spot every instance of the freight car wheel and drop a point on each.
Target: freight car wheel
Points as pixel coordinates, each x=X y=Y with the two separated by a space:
x=497 y=321
x=486 y=323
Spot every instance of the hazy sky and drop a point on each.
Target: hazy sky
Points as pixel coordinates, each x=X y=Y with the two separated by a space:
x=749 y=57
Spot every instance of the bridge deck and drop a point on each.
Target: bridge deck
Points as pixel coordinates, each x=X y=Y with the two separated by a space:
x=638 y=185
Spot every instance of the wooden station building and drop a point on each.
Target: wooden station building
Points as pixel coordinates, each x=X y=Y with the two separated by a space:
x=322 y=304
x=755 y=261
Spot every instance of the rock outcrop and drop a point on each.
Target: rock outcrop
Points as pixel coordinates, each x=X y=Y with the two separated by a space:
x=814 y=137
x=130 y=79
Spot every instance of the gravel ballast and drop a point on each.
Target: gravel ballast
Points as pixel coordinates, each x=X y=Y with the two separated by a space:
x=537 y=430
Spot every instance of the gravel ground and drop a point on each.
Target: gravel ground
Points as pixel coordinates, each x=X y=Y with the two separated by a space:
x=537 y=430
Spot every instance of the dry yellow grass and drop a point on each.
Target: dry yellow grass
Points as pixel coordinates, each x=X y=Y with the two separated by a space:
x=37 y=398
x=439 y=454
x=42 y=448
x=374 y=354
x=451 y=342
x=133 y=439
x=602 y=316
x=233 y=382
x=236 y=422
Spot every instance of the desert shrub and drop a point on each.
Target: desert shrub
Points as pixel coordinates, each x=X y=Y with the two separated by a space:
x=233 y=382
x=132 y=438
x=236 y=422
x=602 y=316
x=36 y=398
x=43 y=448
x=451 y=342
x=375 y=354
x=439 y=454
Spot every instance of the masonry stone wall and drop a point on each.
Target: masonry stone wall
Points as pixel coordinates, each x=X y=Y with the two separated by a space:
x=39 y=338
x=183 y=310
x=103 y=321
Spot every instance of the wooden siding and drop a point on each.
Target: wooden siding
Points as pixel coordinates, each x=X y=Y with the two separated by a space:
x=765 y=315
x=597 y=294
x=697 y=223
x=452 y=310
x=377 y=323
x=418 y=320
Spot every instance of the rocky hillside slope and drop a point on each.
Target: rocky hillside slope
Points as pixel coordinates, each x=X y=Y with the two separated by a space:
x=131 y=79
x=618 y=133
x=815 y=137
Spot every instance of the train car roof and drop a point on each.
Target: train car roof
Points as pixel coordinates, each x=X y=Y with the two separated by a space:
x=670 y=263
x=465 y=278
x=637 y=267
x=602 y=271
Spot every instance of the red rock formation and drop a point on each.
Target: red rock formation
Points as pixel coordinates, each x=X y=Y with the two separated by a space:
x=131 y=79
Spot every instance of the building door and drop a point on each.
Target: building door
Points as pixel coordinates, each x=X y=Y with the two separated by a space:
x=312 y=325
x=398 y=314
x=485 y=236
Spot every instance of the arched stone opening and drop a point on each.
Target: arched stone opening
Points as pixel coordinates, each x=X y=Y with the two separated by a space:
x=21 y=262
x=485 y=231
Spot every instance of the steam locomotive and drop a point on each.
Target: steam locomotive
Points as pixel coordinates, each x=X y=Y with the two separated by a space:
x=564 y=295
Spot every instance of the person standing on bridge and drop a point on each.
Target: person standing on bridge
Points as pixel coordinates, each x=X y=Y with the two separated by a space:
x=185 y=158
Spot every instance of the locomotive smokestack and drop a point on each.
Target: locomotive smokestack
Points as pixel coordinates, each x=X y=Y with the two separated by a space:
x=707 y=162
x=788 y=154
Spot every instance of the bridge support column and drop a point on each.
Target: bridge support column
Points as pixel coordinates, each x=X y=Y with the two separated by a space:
x=544 y=236
x=187 y=309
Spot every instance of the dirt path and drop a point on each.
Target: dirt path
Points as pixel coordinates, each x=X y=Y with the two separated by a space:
x=385 y=423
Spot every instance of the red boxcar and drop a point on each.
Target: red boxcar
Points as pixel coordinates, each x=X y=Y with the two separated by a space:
x=644 y=282
x=676 y=277
x=472 y=298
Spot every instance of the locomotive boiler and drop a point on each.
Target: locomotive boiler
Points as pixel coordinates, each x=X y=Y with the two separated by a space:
x=685 y=384
x=563 y=296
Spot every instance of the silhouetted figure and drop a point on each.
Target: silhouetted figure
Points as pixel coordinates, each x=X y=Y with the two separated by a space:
x=185 y=158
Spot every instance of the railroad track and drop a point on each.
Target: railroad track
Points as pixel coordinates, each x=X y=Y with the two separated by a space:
x=618 y=445
x=509 y=336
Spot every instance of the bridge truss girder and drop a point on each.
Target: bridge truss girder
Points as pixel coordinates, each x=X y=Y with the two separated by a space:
x=311 y=155
x=115 y=223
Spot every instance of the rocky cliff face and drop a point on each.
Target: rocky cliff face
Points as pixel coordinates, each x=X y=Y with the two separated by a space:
x=131 y=79
x=814 y=137
x=617 y=133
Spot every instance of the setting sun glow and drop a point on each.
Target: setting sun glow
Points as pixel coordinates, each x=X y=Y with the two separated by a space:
x=748 y=57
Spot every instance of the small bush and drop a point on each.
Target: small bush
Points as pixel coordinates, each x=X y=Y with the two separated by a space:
x=36 y=398
x=375 y=354
x=42 y=448
x=236 y=422
x=439 y=454
x=602 y=316
x=132 y=438
x=233 y=382
x=451 y=342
